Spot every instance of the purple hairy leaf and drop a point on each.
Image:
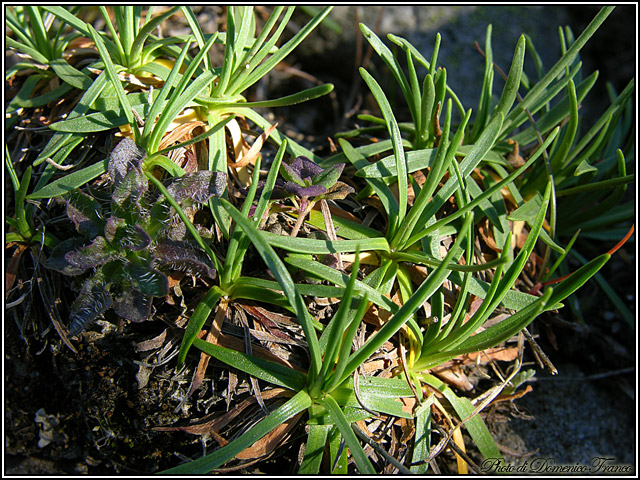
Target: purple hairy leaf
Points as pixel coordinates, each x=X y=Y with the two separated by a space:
x=133 y=306
x=305 y=178
x=278 y=192
x=304 y=169
x=92 y=302
x=122 y=235
x=124 y=156
x=310 y=191
x=57 y=260
x=290 y=174
x=113 y=228
x=283 y=189
x=85 y=213
x=198 y=186
x=147 y=280
x=132 y=186
x=97 y=253
x=181 y=257
x=328 y=177
x=137 y=239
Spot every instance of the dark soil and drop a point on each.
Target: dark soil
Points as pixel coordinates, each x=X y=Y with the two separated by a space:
x=102 y=403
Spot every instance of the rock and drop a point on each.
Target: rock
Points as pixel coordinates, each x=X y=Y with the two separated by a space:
x=575 y=421
x=332 y=57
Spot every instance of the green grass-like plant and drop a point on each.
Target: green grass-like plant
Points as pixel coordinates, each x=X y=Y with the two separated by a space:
x=556 y=179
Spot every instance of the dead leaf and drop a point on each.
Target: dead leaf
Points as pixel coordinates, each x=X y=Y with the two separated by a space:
x=456 y=377
x=486 y=233
x=260 y=352
x=269 y=320
x=514 y=158
x=12 y=267
x=513 y=396
x=212 y=337
x=207 y=424
x=242 y=159
x=152 y=343
x=436 y=125
x=520 y=234
x=270 y=441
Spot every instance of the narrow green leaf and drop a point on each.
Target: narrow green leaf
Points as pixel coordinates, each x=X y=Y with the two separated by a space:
x=24 y=227
x=558 y=159
x=341 y=279
x=284 y=279
x=145 y=31
x=70 y=182
x=577 y=279
x=160 y=101
x=513 y=299
x=96 y=122
x=471 y=205
x=32 y=52
x=620 y=305
x=346 y=229
x=422 y=438
x=347 y=341
x=164 y=162
x=361 y=459
x=314 y=449
x=197 y=32
x=266 y=370
x=294 y=99
x=553 y=117
x=486 y=94
x=313 y=246
x=284 y=50
x=270 y=182
x=196 y=321
x=300 y=402
x=539 y=88
x=513 y=80
x=490 y=337
x=423 y=293
x=384 y=193
x=527 y=211
x=422 y=258
x=181 y=95
x=261 y=48
x=441 y=164
x=338 y=454
x=398 y=149
x=176 y=105
x=42 y=41
x=70 y=75
x=392 y=63
x=426 y=111
x=115 y=81
x=337 y=327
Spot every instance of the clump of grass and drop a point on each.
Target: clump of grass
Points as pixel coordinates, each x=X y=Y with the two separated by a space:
x=464 y=211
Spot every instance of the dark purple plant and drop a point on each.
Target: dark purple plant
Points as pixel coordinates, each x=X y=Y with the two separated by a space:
x=305 y=178
x=127 y=249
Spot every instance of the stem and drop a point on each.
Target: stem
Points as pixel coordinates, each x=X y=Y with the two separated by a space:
x=302 y=214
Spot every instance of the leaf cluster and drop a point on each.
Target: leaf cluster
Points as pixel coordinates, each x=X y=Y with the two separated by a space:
x=441 y=187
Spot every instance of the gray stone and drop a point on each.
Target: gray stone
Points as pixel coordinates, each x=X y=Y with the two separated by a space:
x=575 y=421
x=459 y=27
